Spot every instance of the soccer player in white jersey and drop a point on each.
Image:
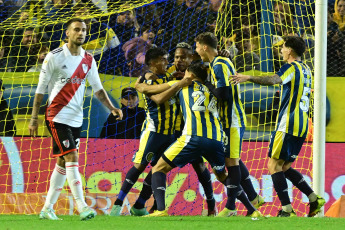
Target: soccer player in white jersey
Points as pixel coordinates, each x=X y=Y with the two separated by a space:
x=291 y=130
x=65 y=71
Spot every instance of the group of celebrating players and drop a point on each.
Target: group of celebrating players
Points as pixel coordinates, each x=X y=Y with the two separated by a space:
x=198 y=117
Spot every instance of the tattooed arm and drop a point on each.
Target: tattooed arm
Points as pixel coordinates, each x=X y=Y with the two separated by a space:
x=264 y=80
x=103 y=97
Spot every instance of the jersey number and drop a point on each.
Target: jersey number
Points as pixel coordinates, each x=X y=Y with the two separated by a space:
x=199 y=103
x=304 y=104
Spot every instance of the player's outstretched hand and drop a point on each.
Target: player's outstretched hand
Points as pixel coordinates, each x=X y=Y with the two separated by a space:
x=117 y=113
x=33 y=127
x=238 y=78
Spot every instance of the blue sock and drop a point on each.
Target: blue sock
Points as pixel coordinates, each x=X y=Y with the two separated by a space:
x=145 y=193
x=281 y=187
x=158 y=188
x=246 y=183
x=245 y=201
x=297 y=179
x=233 y=186
x=131 y=177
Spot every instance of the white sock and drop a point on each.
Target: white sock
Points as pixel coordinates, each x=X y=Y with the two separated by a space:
x=74 y=182
x=312 y=197
x=57 y=181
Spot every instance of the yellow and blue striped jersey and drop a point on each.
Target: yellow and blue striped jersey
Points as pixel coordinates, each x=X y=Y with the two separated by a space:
x=160 y=118
x=231 y=112
x=199 y=108
x=294 y=99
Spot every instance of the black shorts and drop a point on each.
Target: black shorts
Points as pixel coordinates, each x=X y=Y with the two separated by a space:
x=65 y=138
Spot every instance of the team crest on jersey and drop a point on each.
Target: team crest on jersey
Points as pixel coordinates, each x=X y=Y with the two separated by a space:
x=85 y=67
x=66 y=143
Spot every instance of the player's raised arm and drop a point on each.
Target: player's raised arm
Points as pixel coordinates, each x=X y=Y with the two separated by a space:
x=264 y=80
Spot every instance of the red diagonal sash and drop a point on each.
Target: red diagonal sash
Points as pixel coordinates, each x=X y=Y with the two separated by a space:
x=68 y=91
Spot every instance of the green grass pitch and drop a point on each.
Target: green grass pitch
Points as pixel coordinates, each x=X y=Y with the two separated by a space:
x=22 y=222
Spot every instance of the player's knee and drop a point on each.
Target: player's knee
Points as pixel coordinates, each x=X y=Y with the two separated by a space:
x=221 y=176
x=140 y=167
x=286 y=166
x=161 y=166
x=232 y=162
x=71 y=157
x=275 y=165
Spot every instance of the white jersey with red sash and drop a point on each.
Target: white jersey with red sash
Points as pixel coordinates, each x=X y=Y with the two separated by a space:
x=65 y=76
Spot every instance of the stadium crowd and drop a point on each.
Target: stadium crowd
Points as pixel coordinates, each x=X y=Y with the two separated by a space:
x=118 y=41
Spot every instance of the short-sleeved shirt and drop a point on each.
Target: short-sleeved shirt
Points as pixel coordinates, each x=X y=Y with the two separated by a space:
x=65 y=76
x=199 y=108
x=160 y=118
x=295 y=97
x=231 y=112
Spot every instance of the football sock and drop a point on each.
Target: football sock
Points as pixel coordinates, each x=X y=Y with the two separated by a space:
x=57 y=181
x=158 y=188
x=233 y=186
x=281 y=187
x=131 y=177
x=246 y=182
x=74 y=182
x=245 y=201
x=145 y=193
x=297 y=179
x=206 y=182
x=312 y=197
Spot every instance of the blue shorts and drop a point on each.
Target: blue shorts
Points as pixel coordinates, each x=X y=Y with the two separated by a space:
x=233 y=141
x=152 y=146
x=188 y=149
x=284 y=146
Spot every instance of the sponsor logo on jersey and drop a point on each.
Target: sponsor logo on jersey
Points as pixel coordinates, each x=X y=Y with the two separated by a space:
x=73 y=80
x=66 y=143
x=85 y=67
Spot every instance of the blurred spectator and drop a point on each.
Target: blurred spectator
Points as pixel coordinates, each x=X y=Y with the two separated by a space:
x=43 y=51
x=335 y=40
x=59 y=9
x=339 y=14
x=245 y=59
x=22 y=55
x=99 y=36
x=182 y=23
x=284 y=22
x=148 y=15
x=135 y=51
x=133 y=117
x=125 y=26
x=7 y=124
